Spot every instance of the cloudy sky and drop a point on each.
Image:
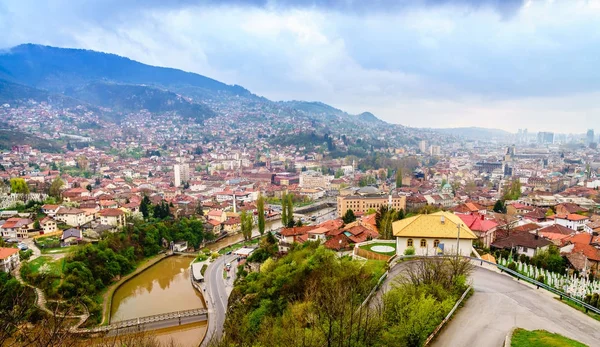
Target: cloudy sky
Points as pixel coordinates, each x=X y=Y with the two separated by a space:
x=428 y=63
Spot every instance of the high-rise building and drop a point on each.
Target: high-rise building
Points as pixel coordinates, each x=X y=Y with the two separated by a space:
x=435 y=151
x=545 y=138
x=423 y=146
x=590 y=138
x=181 y=173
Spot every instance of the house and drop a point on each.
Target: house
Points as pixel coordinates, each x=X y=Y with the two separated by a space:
x=469 y=208
x=16 y=228
x=484 y=229
x=288 y=236
x=567 y=208
x=72 y=216
x=48 y=225
x=9 y=259
x=523 y=242
x=71 y=236
x=319 y=233
x=430 y=234
x=232 y=224
x=50 y=210
x=218 y=215
x=357 y=233
x=518 y=209
x=214 y=226
x=572 y=221
x=338 y=243
x=112 y=216
x=582 y=251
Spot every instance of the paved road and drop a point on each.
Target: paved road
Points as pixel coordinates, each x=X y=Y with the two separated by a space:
x=218 y=290
x=500 y=303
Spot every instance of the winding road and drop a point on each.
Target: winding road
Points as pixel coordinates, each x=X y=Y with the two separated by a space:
x=500 y=303
x=218 y=290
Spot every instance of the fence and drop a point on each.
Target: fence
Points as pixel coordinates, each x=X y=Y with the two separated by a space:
x=371 y=255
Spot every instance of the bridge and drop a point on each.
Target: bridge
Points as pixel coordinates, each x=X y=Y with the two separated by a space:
x=158 y=321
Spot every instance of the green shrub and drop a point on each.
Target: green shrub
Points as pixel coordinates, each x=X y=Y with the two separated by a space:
x=588 y=298
x=594 y=301
x=512 y=266
x=409 y=251
x=541 y=278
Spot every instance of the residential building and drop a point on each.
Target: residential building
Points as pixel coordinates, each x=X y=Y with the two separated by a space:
x=71 y=236
x=73 y=216
x=48 y=225
x=431 y=234
x=16 y=228
x=484 y=229
x=572 y=221
x=523 y=242
x=112 y=216
x=181 y=173
x=9 y=259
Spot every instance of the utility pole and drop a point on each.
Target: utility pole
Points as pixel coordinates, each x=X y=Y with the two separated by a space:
x=458 y=241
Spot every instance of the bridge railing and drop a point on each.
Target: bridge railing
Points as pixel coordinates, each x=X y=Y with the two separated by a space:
x=145 y=320
x=562 y=295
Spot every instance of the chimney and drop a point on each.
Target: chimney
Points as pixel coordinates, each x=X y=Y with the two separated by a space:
x=537 y=235
x=482 y=217
x=443 y=219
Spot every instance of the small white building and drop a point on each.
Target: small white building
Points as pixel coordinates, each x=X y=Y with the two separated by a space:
x=9 y=259
x=433 y=234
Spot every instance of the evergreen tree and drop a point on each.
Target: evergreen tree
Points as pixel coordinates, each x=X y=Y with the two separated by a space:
x=399 y=178
x=349 y=217
x=145 y=207
x=290 y=210
x=247 y=223
x=500 y=207
x=284 y=218
x=260 y=207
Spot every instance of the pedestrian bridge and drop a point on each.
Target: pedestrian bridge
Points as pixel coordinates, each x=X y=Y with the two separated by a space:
x=150 y=322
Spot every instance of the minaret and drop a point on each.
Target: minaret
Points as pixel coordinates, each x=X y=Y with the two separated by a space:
x=234 y=204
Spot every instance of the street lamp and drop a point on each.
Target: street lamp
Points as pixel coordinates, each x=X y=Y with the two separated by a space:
x=458 y=240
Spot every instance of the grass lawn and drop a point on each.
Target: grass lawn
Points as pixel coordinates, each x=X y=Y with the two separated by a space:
x=57 y=250
x=239 y=245
x=368 y=248
x=47 y=242
x=47 y=264
x=541 y=338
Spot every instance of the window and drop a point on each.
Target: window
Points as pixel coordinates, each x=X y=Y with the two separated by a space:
x=423 y=243
x=436 y=243
x=409 y=243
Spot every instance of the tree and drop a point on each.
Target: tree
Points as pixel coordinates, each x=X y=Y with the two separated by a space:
x=290 y=210
x=36 y=225
x=145 y=206
x=399 y=178
x=284 y=217
x=18 y=186
x=247 y=222
x=349 y=217
x=339 y=173
x=513 y=192
x=500 y=207
x=89 y=187
x=55 y=188
x=260 y=207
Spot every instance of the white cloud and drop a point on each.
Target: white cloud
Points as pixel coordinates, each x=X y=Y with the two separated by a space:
x=440 y=66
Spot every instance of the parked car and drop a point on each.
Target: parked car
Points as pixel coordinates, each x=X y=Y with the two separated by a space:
x=228 y=266
x=22 y=247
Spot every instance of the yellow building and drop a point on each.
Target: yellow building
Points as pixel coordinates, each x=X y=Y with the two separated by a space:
x=432 y=234
x=363 y=203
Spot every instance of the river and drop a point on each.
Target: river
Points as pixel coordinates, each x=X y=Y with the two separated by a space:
x=162 y=288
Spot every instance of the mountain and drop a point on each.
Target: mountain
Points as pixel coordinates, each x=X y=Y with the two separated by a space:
x=130 y=98
x=476 y=133
x=313 y=107
x=9 y=138
x=369 y=117
x=57 y=69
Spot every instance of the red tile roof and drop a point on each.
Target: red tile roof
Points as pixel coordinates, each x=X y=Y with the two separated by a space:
x=7 y=252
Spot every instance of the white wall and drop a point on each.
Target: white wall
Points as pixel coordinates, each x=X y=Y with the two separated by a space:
x=466 y=246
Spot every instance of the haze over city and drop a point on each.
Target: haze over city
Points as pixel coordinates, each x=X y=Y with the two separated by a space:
x=503 y=64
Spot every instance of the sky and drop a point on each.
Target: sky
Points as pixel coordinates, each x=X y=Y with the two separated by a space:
x=504 y=64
